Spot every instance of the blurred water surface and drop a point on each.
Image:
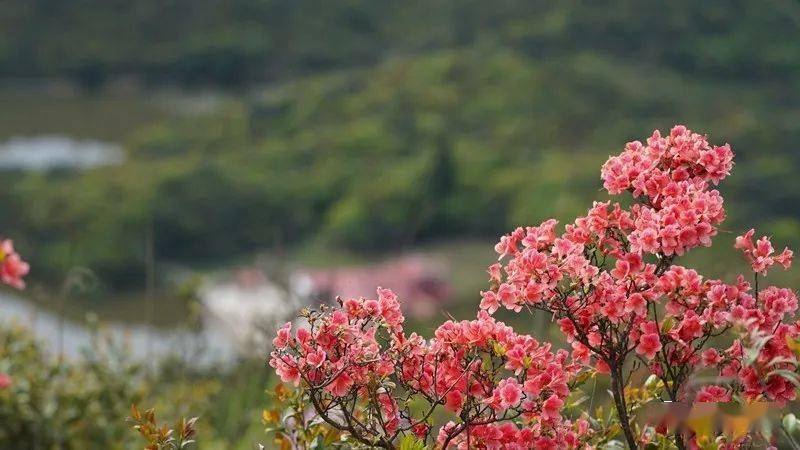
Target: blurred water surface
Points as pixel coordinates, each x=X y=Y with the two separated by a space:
x=62 y=336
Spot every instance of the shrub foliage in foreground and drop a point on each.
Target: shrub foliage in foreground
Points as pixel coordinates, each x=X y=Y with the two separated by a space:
x=613 y=283
x=46 y=404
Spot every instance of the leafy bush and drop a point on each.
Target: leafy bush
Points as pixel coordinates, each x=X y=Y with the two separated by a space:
x=51 y=404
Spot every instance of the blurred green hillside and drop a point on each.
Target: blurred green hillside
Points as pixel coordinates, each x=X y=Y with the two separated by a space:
x=238 y=41
x=374 y=126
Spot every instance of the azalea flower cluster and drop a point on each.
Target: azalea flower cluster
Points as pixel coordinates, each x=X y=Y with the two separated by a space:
x=760 y=254
x=671 y=176
x=611 y=283
x=12 y=267
x=506 y=390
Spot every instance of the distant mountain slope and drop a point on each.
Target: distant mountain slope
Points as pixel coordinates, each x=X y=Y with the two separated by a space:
x=232 y=42
x=446 y=144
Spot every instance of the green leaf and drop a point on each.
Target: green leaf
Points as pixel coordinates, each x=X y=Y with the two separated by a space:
x=571 y=403
x=409 y=442
x=667 y=325
x=713 y=445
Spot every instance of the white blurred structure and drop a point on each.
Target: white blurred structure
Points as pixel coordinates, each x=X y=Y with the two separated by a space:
x=40 y=153
x=249 y=308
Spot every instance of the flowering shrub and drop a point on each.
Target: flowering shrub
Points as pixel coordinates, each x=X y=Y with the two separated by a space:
x=47 y=404
x=611 y=282
x=12 y=269
x=480 y=370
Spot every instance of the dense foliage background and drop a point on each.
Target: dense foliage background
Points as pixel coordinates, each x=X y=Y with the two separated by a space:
x=241 y=41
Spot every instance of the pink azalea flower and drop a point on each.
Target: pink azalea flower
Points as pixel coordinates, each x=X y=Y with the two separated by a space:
x=316 y=358
x=341 y=385
x=12 y=267
x=5 y=381
x=551 y=408
x=649 y=345
x=453 y=401
x=713 y=394
x=489 y=301
x=509 y=393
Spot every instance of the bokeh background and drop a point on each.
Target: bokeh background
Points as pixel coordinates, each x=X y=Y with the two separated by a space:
x=182 y=174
